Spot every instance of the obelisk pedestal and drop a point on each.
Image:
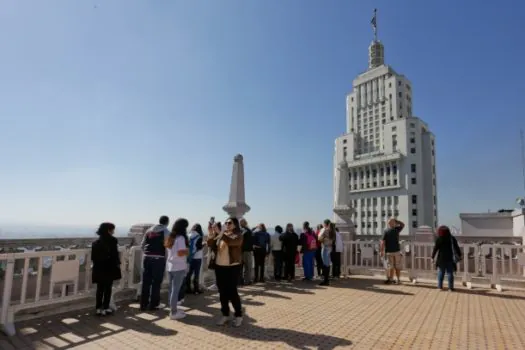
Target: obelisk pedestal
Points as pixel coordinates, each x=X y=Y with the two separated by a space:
x=342 y=209
x=236 y=206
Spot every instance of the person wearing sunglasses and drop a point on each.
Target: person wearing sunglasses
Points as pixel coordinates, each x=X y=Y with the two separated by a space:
x=227 y=265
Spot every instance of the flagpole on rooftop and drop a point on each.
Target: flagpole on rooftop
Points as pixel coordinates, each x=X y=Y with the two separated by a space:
x=374 y=24
x=522 y=157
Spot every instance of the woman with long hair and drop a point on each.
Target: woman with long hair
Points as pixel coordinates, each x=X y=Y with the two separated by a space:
x=227 y=248
x=448 y=255
x=195 y=258
x=106 y=266
x=176 y=264
x=290 y=242
x=327 y=237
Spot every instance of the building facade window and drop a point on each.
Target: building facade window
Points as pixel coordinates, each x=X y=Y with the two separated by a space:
x=414 y=199
x=413 y=168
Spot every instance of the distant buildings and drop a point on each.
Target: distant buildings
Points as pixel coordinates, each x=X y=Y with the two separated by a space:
x=389 y=152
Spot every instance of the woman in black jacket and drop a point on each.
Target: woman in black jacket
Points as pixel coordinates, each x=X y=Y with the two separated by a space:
x=448 y=255
x=106 y=266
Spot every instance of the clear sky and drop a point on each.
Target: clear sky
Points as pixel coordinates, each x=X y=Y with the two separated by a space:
x=125 y=110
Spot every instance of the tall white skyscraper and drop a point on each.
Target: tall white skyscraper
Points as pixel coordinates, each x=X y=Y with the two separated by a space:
x=389 y=152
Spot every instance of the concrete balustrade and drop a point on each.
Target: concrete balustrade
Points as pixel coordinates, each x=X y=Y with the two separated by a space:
x=66 y=284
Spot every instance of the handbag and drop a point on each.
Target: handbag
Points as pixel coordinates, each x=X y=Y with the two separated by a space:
x=211 y=263
x=456 y=257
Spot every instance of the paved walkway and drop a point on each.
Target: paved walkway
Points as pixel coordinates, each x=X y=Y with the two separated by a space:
x=356 y=313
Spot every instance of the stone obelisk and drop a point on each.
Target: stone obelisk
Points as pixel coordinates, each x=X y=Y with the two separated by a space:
x=236 y=205
x=342 y=209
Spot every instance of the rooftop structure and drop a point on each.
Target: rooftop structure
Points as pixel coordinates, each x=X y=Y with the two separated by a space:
x=390 y=153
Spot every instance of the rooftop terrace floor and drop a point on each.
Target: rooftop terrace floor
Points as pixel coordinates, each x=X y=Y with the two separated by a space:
x=354 y=313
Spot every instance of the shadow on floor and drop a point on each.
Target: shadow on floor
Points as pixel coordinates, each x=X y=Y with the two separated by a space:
x=308 y=287
x=79 y=328
x=250 y=331
x=475 y=291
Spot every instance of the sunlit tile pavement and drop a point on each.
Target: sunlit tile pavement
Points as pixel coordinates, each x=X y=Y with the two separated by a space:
x=355 y=313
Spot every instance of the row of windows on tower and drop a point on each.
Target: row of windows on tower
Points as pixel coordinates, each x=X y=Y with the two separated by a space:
x=399 y=83
x=374 y=184
x=383 y=224
x=366 y=173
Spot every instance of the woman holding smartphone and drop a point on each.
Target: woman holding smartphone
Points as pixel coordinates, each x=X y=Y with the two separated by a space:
x=227 y=263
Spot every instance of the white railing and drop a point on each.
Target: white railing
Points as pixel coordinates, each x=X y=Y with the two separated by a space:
x=56 y=272
x=33 y=280
x=495 y=263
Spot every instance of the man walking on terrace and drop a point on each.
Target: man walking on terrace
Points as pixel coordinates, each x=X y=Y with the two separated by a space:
x=391 y=248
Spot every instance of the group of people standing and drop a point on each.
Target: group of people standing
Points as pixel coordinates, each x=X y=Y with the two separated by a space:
x=234 y=249
x=178 y=253
x=321 y=248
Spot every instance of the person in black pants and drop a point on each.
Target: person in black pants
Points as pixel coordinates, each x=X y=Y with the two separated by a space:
x=261 y=249
x=154 y=264
x=318 y=256
x=335 y=256
x=290 y=242
x=106 y=266
x=227 y=248
x=276 y=247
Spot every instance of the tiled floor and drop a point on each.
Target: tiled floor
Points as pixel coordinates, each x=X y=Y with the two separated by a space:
x=356 y=313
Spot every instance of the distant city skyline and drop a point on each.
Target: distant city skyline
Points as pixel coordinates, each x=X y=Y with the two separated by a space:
x=129 y=110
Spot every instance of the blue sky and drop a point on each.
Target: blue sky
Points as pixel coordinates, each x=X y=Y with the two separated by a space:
x=124 y=110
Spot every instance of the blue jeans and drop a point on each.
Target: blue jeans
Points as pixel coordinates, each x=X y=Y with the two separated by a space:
x=176 y=280
x=449 y=270
x=195 y=269
x=308 y=264
x=152 y=277
x=325 y=254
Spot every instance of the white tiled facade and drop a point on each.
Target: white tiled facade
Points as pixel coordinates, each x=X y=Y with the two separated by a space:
x=389 y=152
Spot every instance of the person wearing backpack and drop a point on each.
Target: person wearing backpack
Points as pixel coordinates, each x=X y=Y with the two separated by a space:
x=308 y=242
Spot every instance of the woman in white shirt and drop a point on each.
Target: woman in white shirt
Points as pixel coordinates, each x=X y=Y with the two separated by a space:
x=176 y=263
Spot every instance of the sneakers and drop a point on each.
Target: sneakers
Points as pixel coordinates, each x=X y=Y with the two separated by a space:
x=237 y=321
x=100 y=312
x=108 y=311
x=222 y=320
x=178 y=315
x=180 y=302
